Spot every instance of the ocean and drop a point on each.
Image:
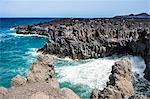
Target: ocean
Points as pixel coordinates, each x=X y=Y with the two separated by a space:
x=17 y=52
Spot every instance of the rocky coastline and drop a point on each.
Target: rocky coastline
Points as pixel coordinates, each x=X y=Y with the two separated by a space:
x=94 y=38
x=83 y=39
x=39 y=83
x=119 y=85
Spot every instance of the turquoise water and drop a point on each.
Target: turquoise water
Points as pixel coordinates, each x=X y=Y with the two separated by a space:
x=84 y=75
x=17 y=52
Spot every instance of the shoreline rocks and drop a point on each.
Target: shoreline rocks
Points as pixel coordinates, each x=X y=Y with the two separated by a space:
x=38 y=84
x=119 y=85
x=94 y=38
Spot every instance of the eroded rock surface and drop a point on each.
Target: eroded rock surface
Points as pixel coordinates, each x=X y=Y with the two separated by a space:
x=41 y=70
x=18 y=81
x=119 y=85
x=93 y=38
x=38 y=84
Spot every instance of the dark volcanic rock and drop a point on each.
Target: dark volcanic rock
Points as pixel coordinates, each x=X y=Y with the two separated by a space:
x=147 y=57
x=93 y=38
x=141 y=85
x=138 y=97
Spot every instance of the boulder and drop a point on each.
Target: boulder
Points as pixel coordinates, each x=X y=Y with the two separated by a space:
x=69 y=93
x=121 y=75
x=18 y=81
x=119 y=85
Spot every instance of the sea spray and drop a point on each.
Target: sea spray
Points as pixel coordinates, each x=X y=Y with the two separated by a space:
x=140 y=84
x=93 y=73
x=84 y=75
x=32 y=52
x=12 y=29
x=138 y=64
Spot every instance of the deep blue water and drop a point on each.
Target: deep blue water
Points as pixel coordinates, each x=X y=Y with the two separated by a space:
x=17 y=52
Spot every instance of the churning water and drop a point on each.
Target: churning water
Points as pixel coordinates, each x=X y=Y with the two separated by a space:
x=84 y=75
x=17 y=52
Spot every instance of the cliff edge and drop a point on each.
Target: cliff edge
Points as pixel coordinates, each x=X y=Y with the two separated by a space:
x=94 y=38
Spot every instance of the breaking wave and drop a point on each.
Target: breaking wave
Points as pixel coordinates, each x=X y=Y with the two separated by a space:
x=91 y=73
x=12 y=29
x=32 y=52
x=30 y=35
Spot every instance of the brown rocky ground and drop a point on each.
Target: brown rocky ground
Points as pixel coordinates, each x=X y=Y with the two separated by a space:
x=119 y=85
x=38 y=84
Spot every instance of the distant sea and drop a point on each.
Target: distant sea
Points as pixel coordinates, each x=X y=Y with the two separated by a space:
x=17 y=52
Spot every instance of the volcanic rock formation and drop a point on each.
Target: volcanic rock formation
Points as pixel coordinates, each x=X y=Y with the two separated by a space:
x=38 y=84
x=93 y=38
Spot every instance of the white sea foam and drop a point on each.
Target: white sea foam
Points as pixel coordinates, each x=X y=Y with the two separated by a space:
x=30 y=35
x=12 y=29
x=32 y=52
x=30 y=55
x=138 y=64
x=95 y=72
x=21 y=70
x=64 y=59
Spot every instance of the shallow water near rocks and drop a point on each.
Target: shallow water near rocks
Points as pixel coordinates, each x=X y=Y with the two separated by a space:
x=17 y=52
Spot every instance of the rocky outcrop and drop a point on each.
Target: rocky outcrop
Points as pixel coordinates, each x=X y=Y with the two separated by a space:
x=147 y=57
x=18 y=81
x=138 y=97
x=93 y=38
x=41 y=70
x=119 y=85
x=135 y=16
x=38 y=84
x=141 y=85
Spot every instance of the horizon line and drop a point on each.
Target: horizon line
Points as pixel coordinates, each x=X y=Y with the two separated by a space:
x=71 y=16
